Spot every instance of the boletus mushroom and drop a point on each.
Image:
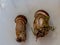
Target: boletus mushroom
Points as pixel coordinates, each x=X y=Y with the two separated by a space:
x=21 y=22
x=41 y=23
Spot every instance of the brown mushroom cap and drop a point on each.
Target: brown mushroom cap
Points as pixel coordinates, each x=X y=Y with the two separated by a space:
x=21 y=17
x=43 y=12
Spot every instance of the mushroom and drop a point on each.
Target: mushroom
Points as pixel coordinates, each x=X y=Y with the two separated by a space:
x=21 y=22
x=41 y=23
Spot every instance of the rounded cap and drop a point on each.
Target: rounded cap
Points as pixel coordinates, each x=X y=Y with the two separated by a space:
x=43 y=12
x=21 y=17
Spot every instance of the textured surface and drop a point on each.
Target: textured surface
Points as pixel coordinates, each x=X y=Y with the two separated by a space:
x=9 y=9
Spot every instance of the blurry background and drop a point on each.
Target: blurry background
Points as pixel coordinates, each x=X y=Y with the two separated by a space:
x=9 y=9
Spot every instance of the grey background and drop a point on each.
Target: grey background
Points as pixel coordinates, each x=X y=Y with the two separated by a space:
x=9 y=9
